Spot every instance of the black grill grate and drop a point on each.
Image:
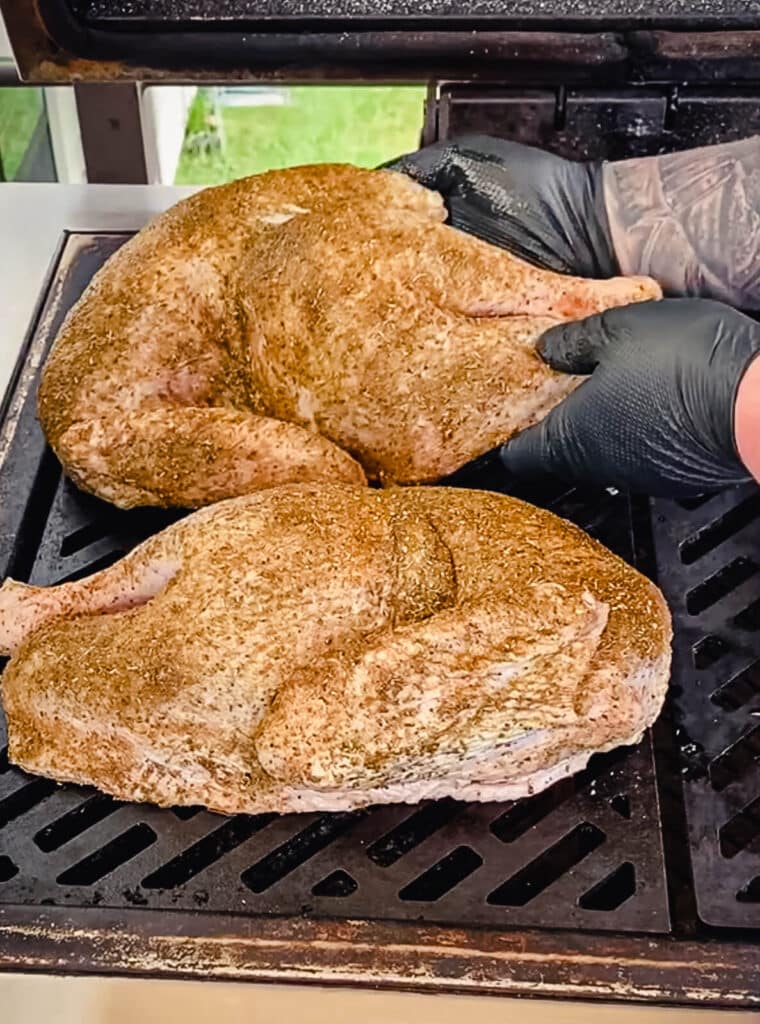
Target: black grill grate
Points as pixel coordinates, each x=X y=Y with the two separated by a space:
x=708 y=553
x=585 y=854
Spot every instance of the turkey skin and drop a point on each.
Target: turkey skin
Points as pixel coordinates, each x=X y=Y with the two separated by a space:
x=326 y=646
x=317 y=323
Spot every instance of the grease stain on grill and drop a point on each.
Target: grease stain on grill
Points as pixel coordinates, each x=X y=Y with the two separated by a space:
x=695 y=762
x=207 y=851
x=411 y=832
x=109 y=857
x=612 y=891
x=338 y=884
x=550 y=865
x=443 y=876
x=75 y=821
x=135 y=898
x=300 y=848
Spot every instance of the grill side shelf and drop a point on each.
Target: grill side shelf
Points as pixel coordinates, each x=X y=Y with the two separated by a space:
x=28 y=470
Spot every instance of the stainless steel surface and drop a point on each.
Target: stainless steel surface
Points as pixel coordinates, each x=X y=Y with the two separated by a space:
x=32 y=221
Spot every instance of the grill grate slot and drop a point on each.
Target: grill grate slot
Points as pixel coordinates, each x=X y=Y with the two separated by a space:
x=207 y=851
x=612 y=891
x=87 y=570
x=290 y=855
x=718 y=532
x=412 y=832
x=74 y=822
x=338 y=884
x=709 y=650
x=186 y=813
x=443 y=876
x=548 y=867
x=749 y=618
x=739 y=690
x=8 y=869
x=98 y=529
x=111 y=856
x=622 y=805
x=736 y=759
x=750 y=893
x=741 y=830
x=693 y=503
x=527 y=813
x=719 y=584
x=24 y=799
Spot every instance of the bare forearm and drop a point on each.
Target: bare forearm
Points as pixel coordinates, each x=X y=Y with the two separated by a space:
x=747 y=419
x=690 y=220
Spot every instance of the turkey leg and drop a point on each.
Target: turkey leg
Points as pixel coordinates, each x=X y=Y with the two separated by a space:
x=185 y=457
x=130 y=582
x=477 y=279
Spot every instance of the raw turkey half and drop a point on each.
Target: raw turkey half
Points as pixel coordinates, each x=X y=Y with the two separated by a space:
x=316 y=323
x=325 y=646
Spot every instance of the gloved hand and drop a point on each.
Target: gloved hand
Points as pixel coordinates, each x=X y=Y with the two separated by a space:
x=656 y=415
x=690 y=220
x=545 y=209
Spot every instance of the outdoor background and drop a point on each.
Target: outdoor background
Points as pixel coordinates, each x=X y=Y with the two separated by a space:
x=233 y=131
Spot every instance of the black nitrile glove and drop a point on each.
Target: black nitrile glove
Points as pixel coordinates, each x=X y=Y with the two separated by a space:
x=656 y=416
x=690 y=220
x=545 y=209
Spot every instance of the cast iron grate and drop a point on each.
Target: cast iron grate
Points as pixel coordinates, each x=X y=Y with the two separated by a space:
x=586 y=854
x=707 y=554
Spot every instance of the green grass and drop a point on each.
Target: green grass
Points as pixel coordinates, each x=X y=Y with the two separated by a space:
x=19 y=110
x=359 y=125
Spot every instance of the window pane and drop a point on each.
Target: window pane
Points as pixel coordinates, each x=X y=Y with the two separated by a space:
x=234 y=131
x=25 y=150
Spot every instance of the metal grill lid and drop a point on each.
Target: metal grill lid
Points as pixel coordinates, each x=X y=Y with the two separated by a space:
x=389 y=40
x=514 y=12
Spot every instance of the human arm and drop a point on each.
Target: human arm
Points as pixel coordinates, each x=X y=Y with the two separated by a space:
x=691 y=220
x=747 y=419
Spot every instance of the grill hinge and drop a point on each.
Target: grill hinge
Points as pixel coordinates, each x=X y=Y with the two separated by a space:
x=598 y=124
